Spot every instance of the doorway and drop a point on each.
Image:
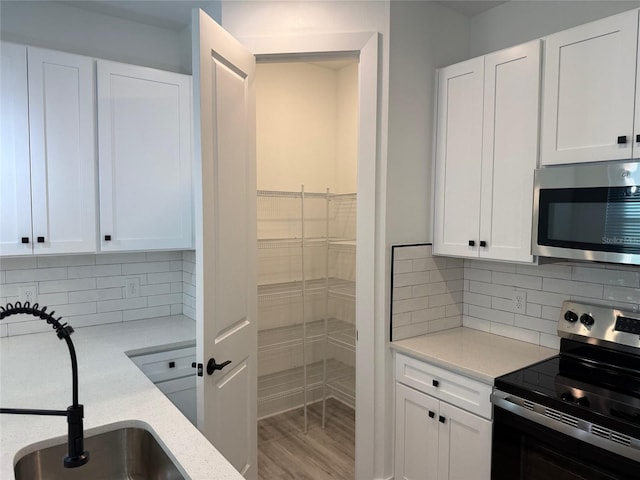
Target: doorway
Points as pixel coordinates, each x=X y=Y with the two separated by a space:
x=306 y=139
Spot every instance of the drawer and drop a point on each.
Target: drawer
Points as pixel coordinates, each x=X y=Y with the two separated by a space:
x=458 y=390
x=168 y=364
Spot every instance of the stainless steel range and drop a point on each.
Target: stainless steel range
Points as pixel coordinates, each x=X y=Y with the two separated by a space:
x=577 y=415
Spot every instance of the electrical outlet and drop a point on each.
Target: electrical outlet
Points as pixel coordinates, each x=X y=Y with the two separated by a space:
x=519 y=301
x=28 y=293
x=132 y=287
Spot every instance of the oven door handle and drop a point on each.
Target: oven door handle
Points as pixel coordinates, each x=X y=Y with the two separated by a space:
x=574 y=427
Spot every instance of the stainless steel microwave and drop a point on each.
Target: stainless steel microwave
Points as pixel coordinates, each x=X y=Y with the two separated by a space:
x=588 y=212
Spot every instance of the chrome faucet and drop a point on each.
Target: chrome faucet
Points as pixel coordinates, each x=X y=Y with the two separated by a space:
x=76 y=454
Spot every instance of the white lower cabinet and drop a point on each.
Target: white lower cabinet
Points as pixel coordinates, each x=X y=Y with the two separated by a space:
x=171 y=370
x=436 y=439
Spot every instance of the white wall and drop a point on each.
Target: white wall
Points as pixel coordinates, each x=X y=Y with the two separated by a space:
x=346 y=165
x=423 y=37
x=59 y=26
x=517 y=22
x=299 y=124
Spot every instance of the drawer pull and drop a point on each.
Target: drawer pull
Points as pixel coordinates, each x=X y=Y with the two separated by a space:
x=432 y=414
x=212 y=366
x=435 y=383
x=442 y=419
x=172 y=364
x=24 y=239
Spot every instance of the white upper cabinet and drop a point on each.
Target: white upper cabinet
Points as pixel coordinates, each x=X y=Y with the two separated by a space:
x=62 y=213
x=458 y=158
x=15 y=184
x=486 y=154
x=589 y=88
x=144 y=143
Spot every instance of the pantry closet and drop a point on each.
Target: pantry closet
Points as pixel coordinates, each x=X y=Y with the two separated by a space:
x=306 y=213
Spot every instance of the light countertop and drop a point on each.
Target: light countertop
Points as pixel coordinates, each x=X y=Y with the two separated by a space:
x=35 y=372
x=476 y=354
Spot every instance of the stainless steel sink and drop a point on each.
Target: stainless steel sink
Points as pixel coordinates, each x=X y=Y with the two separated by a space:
x=126 y=453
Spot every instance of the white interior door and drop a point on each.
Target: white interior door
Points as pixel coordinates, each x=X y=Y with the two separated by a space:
x=225 y=204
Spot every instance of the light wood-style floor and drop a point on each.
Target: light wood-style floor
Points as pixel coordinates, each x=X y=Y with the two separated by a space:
x=285 y=452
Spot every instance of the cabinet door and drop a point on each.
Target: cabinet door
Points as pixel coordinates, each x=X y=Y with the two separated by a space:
x=464 y=445
x=15 y=183
x=62 y=137
x=510 y=151
x=144 y=137
x=458 y=158
x=416 y=455
x=589 y=86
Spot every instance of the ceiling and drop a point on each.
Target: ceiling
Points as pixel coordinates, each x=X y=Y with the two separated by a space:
x=469 y=8
x=176 y=14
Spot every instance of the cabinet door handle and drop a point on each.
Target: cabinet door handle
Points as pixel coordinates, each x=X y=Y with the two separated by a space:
x=432 y=414
x=441 y=419
x=483 y=243
x=24 y=239
x=472 y=243
x=107 y=238
x=172 y=364
x=435 y=383
x=622 y=139
x=638 y=138
x=40 y=239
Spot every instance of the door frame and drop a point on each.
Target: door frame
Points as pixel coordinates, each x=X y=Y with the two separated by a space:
x=364 y=45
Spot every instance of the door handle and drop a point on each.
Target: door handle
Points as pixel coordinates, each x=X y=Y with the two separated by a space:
x=212 y=366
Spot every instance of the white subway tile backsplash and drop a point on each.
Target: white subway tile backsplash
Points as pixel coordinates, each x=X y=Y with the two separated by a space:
x=94 y=271
x=95 y=295
x=621 y=294
x=403 y=266
x=476 y=299
x=67 y=285
x=36 y=275
x=488 y=300
x=18 y=263
x=427 y=293
x=147 y=267
x=412 y=252
x=163 y=256
x=169 y=299
x=127 y=257
x=402 y=293
x=478 y=275
x=491 y=315
x=517 y=280
x=88 y=290
x=155 y=289
x=151 y=312
x=570 y=287
x=606 y=277
x=164 y=277
x=65 y=260
x=415 y=278
x=122 y=304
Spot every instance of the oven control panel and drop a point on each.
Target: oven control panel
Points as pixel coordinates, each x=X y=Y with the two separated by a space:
x=599 y=322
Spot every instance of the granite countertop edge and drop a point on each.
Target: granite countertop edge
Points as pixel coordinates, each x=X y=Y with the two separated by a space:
x=476 y=354
x=114 y=391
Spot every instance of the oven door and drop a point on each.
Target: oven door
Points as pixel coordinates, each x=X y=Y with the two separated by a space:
x=589 y=212
x=526 y=450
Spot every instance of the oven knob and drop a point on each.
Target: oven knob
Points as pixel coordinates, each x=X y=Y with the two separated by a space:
x=587 y=320
x=568 y=397
x=583 y=401
x=570 y=316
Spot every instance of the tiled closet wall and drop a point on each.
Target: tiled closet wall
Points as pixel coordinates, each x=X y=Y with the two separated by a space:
x=89 y=289
x=489 y=287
